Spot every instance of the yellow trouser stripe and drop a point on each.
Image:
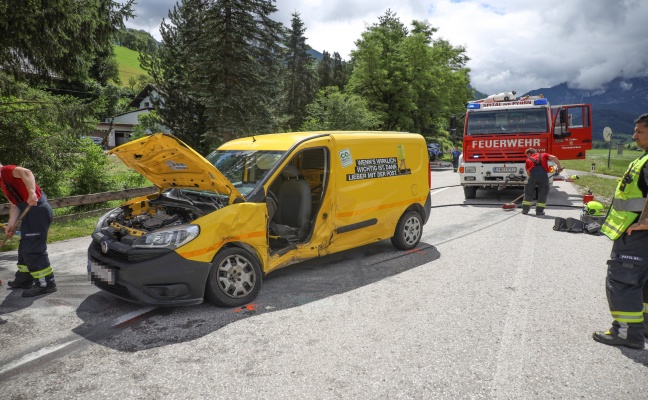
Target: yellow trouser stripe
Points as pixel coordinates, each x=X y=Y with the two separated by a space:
x=628 y=316
x=527 y=203
x=42 y=273
x=541 y=204
x=645 y=308
x=22 y=268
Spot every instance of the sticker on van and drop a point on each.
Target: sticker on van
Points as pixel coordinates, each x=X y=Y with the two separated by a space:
x=345 y=158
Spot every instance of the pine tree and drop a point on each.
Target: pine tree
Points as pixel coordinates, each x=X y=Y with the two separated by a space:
x=237 y=68
x=172 y=68
x=299 y=83
x=324 y=71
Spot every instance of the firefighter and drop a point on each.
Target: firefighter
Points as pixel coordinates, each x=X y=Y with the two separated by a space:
x=537 y=166
x=627 y=272
x=34 y=273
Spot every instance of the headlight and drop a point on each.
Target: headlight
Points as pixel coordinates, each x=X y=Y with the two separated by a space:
x=102 y=220
x=171 y=238
x=470 y=170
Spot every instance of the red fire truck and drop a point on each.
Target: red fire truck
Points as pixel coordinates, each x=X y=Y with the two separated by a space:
x=498 y=129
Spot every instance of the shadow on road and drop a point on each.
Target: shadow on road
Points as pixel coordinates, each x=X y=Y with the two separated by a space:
x=289 y=287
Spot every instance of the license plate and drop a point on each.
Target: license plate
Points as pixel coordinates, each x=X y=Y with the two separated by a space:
x=102 y=272
x=505 y=169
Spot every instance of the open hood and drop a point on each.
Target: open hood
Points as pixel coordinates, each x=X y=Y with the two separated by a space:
x=169 y=163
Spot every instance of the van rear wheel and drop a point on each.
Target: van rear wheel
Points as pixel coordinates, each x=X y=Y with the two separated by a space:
x=234 y=279
x=408 y=231
x=470 y=192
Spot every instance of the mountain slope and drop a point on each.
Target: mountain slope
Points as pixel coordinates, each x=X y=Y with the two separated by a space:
x=617 y=104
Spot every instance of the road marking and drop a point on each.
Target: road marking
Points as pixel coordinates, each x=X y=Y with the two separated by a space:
x=438 y=191
x=35 y=355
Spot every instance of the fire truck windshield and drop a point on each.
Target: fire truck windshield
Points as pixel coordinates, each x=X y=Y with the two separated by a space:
x=507 y=121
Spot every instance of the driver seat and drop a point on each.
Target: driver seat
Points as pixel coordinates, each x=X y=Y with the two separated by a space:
x=293 y=213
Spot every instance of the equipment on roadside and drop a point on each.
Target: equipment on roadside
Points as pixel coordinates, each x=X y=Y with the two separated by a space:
x=593 y=208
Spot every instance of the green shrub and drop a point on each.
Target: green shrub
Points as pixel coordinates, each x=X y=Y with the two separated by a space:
x=90 y=176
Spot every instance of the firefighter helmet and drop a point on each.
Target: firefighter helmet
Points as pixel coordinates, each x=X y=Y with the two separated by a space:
x=594 y=208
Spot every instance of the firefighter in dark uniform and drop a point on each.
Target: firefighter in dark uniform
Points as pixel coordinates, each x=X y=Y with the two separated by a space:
x=627 y=273
x=35 y=273
x=537 y=167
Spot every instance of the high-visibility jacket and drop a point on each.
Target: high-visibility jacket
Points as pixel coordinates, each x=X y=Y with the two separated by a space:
x=629 y=201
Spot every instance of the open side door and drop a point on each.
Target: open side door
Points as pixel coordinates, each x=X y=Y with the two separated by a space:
x=572 y=131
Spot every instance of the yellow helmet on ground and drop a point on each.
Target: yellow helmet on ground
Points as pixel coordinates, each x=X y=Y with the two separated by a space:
x=594 y=208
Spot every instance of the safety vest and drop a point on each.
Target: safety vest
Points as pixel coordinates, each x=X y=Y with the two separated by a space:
x=628 y=201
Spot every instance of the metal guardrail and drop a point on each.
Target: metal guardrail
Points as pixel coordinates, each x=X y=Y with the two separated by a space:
x=90 y=199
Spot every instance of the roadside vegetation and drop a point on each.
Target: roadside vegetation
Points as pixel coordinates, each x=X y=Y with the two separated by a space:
x=602 y=188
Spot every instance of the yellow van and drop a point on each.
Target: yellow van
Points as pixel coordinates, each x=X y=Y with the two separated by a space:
x=220 y=223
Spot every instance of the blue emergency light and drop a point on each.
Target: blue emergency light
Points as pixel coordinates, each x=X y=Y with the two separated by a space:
x=473 y=106
x=540 y=102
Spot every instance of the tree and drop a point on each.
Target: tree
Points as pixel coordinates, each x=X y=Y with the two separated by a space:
x=65 y=46
x=217 y=70
x=413 y=82
x=66 y=39
x=324 y=69
x=333 y=110
x=299 y=82
x=237 y=68
x=172 y=68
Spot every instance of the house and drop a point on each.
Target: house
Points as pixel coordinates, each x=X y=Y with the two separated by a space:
x=117 y=129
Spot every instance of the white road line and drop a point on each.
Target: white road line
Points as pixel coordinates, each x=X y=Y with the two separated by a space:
x=51 y=349
x=438 y=191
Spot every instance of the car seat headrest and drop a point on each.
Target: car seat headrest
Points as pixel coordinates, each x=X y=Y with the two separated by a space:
x=290 y=172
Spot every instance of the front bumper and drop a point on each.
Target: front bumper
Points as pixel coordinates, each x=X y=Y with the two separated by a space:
x=159 y=278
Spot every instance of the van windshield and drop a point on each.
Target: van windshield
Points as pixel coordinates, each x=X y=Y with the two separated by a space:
x=245 y=169
x=507 y=121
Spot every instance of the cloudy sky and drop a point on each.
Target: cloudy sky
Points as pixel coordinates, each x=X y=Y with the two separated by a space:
x=513 y=44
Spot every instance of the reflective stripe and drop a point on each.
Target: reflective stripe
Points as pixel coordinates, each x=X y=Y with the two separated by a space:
x=623 y=331
x=527 y=203
x=22 y=268
x=42 y=273
x=645 y=308
x=541 y=204
x=635 y=205
x=630 y=317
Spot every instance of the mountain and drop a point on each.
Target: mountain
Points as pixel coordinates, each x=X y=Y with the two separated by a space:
x=617 y=104
x=315 y=54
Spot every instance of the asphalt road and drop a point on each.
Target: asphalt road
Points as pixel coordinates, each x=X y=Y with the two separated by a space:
x=492 y=304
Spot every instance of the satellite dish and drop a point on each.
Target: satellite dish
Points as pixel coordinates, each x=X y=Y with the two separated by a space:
x=607 y=133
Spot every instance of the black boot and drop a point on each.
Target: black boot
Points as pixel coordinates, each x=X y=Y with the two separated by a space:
x=38 y=290
x=22 y=280
x=611 y=339
x=540 y=210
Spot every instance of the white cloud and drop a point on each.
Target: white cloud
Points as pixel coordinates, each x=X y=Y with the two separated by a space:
x=512 y=44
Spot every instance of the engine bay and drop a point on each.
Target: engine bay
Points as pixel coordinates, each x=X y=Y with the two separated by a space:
x=172 y=207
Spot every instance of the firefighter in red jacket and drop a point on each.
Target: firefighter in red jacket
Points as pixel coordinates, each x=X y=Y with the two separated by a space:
x=537 y=166
x=35 y=273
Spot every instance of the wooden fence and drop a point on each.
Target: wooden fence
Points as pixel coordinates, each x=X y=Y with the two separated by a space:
x=89 y=199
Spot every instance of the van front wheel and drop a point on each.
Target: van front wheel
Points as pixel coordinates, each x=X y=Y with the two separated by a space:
x=408 y=231
x=234 y=279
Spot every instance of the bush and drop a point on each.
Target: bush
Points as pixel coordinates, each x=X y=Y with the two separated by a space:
x=90 y=176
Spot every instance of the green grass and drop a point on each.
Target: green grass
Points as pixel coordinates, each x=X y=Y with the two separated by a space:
x=65 y=230
x=129 y=66
x=601 y=188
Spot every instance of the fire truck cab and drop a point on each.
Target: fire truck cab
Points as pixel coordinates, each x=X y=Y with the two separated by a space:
x=497 y=133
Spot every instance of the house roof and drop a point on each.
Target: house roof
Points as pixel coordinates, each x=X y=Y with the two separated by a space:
x=141 y=95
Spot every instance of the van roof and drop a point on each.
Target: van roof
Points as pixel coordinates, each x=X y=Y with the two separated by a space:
x=284 y=141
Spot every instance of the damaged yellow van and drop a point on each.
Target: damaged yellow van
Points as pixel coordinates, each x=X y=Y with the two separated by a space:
x=220 y=223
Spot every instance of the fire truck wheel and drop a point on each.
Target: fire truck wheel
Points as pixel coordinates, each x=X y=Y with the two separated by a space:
x=408 y=231
x=470 y=192
x=234 y=279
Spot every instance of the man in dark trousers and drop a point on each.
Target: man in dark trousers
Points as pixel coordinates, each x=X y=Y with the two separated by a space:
x=627 y=272
x=456 y=153
x=537 y=167
x=35 y=273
